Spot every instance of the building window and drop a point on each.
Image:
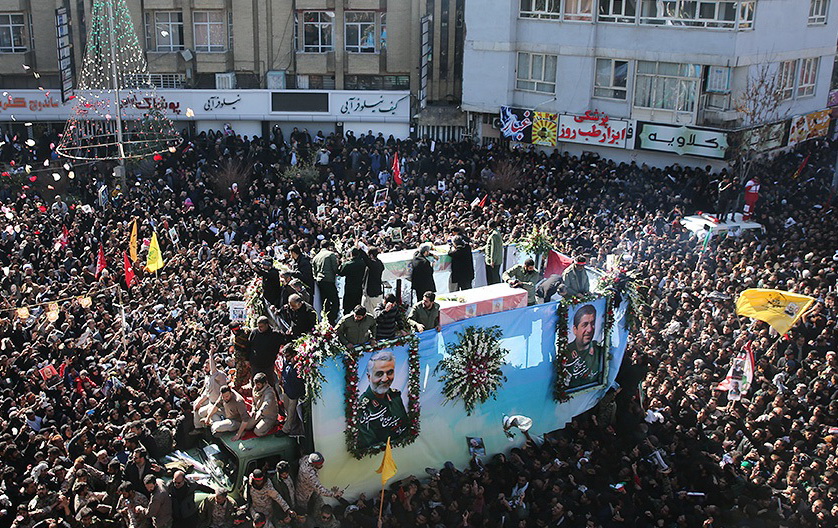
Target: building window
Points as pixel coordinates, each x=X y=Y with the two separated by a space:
x=541 y=9
x=210 y=33
x=725 y=14
x=817 y=11
x=666 y=85
x=317 y=31
x=611 y=79
x=536 y=72
x=376 y=82
x=785 y=79
x=622 y=11
x=11 y=33
x=360 y=31
x=164 y=31
x=808 y=77
x=578 y=9
x=383 y=24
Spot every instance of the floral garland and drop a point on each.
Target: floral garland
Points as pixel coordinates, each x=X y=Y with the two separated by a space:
x=618 y=283
x=254 y=302
x=560 y=387
x=313 y=349
x=350 y=360
x=472 y=366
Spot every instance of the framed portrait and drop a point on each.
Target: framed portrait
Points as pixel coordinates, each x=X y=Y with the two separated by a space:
x=385 y=397
x=585 y=352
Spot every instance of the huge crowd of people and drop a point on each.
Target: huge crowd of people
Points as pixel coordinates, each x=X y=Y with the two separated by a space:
x=99 y=381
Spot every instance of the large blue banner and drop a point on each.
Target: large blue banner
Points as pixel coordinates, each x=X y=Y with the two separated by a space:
x=530 y=336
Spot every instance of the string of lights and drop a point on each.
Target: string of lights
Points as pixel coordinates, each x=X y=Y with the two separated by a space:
x=106 y=123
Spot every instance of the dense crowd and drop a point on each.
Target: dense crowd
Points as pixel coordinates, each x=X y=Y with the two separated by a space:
x=81 y=447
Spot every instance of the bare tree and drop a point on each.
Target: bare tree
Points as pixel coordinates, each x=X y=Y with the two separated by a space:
x=508 y=175
x=231 y=171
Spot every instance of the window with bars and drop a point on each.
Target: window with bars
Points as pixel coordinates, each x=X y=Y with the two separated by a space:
x=666 y=85
x=376 y=82
x=725 y=14
x=620 y=11
x=785 y=79
x=818 y=10
x=611 y=79
x=808 y=77
x=536 y=72
x=210 y=31
x=578 y=10
x=164 y=31
x=550 y=9
x=359 y=28
x=317 y=31
x=12 y=33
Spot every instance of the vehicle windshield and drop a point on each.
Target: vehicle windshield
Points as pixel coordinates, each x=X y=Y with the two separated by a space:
x=211 y=465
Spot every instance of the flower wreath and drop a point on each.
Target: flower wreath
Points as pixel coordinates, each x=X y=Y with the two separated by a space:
x=620 y=284
x=312 y=350
x=472 y=366
x=350 y=361
x=254 y=302
x=560 y=390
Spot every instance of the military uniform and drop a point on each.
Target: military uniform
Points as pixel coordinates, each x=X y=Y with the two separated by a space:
x=380 y=417
x=527 y=280
x=585 y=367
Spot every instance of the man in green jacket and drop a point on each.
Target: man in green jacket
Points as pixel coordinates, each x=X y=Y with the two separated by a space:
x=325 y=266
x=424 y=314
x=493 y=254
x=576 y=278
x=356 y=328
x=523 y=276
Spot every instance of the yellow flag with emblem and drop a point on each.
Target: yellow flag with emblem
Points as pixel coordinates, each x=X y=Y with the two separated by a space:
x=388 y=466
x=132 y=242
x=778 y=308
x=155 y=257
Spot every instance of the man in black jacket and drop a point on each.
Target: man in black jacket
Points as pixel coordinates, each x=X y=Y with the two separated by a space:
x=353 y=288
x=462 y=265
x=422 y=272
x=299 y=315
x=262 y=350
x=373 y=288
x=184 y=509
x=302 y=266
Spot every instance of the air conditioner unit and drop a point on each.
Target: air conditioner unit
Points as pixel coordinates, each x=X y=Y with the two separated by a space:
x=276 y=80
x=225 y=81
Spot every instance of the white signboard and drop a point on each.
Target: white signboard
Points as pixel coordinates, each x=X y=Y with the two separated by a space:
x=683 y=140
x=212 y=105
x=594 y=128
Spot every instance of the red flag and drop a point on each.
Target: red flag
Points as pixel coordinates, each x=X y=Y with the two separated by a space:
x=129 y=270
x=483 y=201
x=802 y=166
x=100 y=261
x=397 y=171
x=556 y=264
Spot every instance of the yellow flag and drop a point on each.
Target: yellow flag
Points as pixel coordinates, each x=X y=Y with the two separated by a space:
x=388 y=465
x=132 y=243
x=155 y=258
x=780 y=309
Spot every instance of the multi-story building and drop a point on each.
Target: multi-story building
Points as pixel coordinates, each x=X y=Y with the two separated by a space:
x=674 y=78
x=319 y=64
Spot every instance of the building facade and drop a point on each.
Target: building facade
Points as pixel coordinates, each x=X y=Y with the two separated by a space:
x=680 y=80
x=323 y=64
